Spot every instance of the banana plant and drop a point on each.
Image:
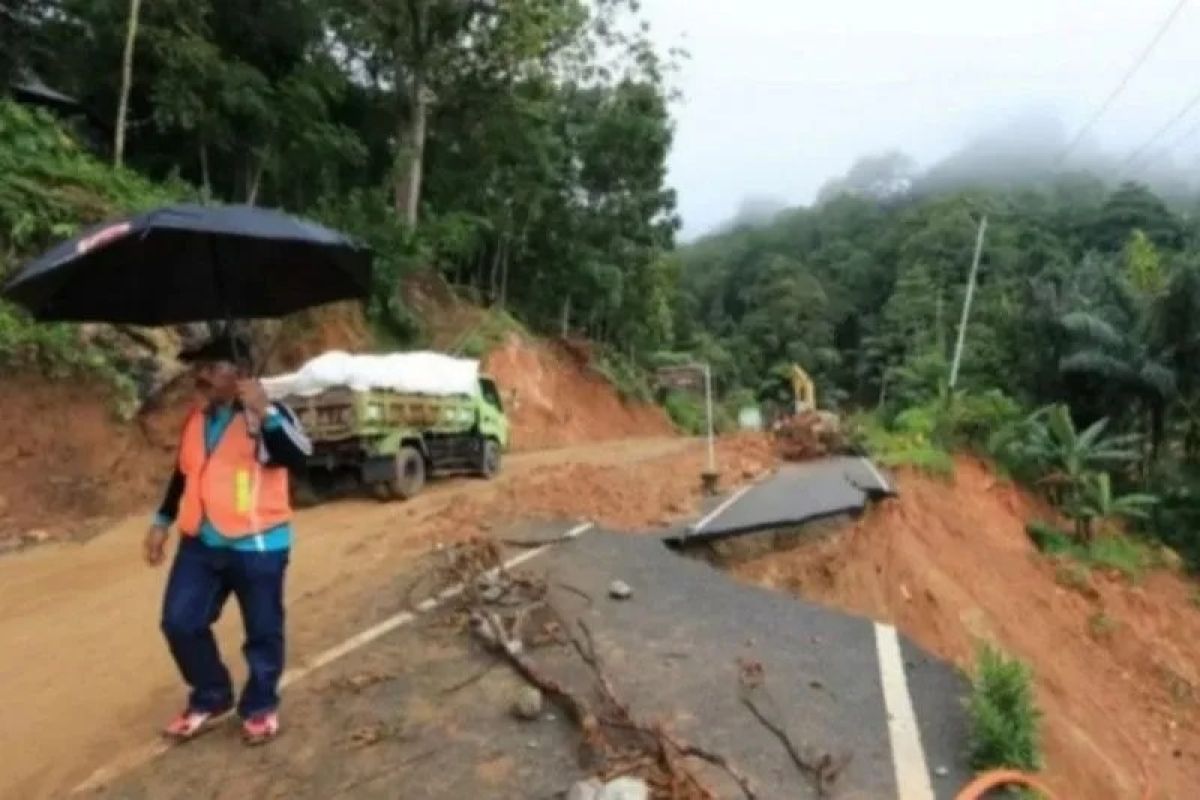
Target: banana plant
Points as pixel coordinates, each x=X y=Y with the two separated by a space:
x=1048 y=444
x=1096 y=502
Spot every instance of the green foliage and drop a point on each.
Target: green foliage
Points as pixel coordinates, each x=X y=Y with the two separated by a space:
x=532 y=134
x=51 y=186
x=496 y=326
x=1048 y=538
x=1096 y=501
x=906 y=444
x=1005 y=720
x=1121 y=553
x=923 y=435
x=630 y=378
x=686 y=412
x=1125 y=554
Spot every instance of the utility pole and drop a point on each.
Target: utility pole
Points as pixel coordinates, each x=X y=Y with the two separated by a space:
x=131 y=26
x=966 y=310
x=708 y=410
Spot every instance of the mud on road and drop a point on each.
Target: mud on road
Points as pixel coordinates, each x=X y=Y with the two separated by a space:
x=86 y=675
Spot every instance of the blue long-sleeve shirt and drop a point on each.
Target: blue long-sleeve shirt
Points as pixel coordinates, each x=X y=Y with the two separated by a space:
x=283 y=445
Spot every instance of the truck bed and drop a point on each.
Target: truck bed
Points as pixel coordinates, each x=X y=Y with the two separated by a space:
x=341 y=413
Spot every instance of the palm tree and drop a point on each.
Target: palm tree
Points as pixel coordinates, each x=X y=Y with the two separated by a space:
x=1116 y=344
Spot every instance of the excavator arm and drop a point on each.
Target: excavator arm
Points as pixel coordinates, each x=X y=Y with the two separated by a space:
x=804 y=392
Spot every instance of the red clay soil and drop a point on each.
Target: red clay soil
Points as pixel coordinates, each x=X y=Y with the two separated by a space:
x=445 y=317
x=554 y=398
x=68 y=464
x=630 y=497
x=340 y=326
x=950 y=564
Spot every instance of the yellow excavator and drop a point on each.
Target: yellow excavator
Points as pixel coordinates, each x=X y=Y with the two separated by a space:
x=803 y=390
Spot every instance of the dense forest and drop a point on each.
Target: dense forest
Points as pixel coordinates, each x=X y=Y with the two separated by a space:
x=1088 y=301
x=518 y=147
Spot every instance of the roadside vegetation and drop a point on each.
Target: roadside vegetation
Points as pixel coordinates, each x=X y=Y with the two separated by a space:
x=516 y=149
x=1005 y=720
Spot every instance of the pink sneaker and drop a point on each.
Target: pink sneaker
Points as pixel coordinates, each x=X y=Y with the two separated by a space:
x=191 y=722
x=260 y=728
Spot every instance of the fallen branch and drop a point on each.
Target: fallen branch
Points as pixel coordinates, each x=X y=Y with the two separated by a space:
x=455 y=687
x=499 y=605
x=578 y=710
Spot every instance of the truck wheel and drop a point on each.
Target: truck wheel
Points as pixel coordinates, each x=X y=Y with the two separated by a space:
x=303 y=493
x=489 y=459
x=408 y=473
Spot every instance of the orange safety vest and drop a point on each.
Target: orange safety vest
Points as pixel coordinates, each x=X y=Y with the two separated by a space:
x=238 y=494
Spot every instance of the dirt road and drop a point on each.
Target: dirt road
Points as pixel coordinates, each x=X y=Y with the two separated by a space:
x=85 y=674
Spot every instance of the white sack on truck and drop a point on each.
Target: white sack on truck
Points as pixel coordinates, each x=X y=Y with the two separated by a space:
x=410 y=373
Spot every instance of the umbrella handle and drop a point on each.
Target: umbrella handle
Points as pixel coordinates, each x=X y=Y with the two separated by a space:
x=253 y=423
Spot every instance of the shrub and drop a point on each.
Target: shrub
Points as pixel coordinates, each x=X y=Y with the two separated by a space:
x=1126 y=554
x=907 y=447
x=1004 y=717
x=686 y=412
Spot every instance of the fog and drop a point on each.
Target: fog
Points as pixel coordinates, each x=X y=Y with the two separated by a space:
x=781 y=97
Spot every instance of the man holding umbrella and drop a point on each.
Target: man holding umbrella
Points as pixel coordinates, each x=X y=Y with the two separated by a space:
x=229 y=494
x=229 y=498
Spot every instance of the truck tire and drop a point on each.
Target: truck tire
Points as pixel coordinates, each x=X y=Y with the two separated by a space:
x=303 y=493
x=408 y=474
x=489 y=459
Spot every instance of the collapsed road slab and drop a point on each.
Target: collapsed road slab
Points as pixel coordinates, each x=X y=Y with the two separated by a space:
x=674 y=651
x=796 y=494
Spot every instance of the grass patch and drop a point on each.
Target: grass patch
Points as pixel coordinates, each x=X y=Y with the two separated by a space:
x=629 y=378
x=1125 y=554
x=1005 y=720
x=908 y=446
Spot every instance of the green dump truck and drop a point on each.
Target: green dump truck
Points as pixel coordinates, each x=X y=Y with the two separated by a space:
x=392 y=441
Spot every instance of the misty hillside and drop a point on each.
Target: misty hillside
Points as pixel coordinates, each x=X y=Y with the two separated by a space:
x=865 y=287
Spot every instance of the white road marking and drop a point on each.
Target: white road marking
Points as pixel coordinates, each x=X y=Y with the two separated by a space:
x=716 y=512
x=151 y=750
x=883 y=484
x=908 y=756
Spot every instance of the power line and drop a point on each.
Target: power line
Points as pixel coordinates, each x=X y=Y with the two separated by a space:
x=1183 y=112
x=1128 y=76
x=1166 y=150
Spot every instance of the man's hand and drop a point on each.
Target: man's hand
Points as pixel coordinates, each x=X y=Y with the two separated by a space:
x=154 y=545
x=253 y=397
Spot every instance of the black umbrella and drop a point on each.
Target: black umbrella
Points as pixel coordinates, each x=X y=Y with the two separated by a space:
x=188 y=263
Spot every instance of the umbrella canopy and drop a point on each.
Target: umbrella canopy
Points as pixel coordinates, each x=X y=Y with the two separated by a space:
x=187 y=263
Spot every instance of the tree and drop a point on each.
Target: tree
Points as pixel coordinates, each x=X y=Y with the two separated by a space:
x=411 y=49
x=1134 y=207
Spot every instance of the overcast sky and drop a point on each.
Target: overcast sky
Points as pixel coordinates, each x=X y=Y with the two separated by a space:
x=781 y=95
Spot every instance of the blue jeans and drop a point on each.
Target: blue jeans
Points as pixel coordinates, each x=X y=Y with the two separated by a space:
x=201 y=580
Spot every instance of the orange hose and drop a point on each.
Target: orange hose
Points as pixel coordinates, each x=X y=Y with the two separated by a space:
x=994 y=779
x=1001 y=777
